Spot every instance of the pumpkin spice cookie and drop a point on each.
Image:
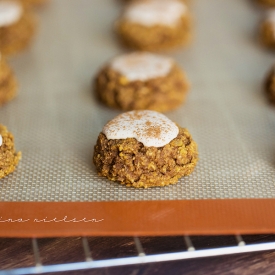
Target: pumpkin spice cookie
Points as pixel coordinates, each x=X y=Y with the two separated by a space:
x=267 y=30
x=9 y=158
x=154 y=24
x=269 y=85
x=8 y=83
x=34 y=3
x=17 y=27
x=144 y=149
x=267 y=3
x=141 y=80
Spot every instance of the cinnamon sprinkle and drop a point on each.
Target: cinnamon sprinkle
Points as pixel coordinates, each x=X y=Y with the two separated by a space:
x=149 y=127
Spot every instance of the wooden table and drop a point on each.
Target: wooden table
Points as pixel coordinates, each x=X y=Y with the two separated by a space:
x=18 y=253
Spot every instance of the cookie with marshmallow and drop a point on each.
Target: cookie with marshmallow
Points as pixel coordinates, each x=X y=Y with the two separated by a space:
x=154 y=24
x=8 y=82
x=9 y=158
x=144 y=149
x=142 y=80
x=17 y=27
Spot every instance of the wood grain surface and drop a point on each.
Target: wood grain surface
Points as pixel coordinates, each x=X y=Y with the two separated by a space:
x=18 y=253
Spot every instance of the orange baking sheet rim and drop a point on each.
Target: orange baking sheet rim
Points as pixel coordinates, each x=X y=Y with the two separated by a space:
x=137 y=218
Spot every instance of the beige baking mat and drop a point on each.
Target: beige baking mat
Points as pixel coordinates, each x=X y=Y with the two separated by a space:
x=56 y=120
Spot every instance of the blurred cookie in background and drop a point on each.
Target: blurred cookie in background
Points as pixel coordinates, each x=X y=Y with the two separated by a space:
x=154 y=24
x=267 y=30
x=17 y=27
x=34 y=3
x=142 y=80
x=269 y=85
x=267 y=3
x=8 y=83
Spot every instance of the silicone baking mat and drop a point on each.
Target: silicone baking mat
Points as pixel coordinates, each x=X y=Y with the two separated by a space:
x=56 y=120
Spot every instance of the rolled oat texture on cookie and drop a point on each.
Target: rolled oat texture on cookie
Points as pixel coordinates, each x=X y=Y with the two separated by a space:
x=269 y=85
x=8 y=83
x=144 y=149
x=141 y=80
x=9 y=158
x=17 y=27
x=154 y=24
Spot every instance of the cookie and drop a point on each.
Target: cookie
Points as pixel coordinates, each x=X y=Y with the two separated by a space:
x=9 y=158
x=144 y=149
x=267 y=30
x=8 y=83
x=17 y=27
x=267 y=3
x=154 y=24
x=269 y=85
x=34 y=3
x=142 y=80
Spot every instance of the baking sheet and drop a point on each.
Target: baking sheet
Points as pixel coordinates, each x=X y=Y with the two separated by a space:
x=56 y=119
